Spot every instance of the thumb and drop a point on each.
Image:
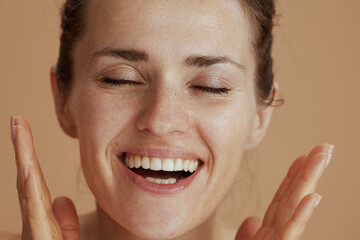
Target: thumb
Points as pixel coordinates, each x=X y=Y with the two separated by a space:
x=67 y=218
x=248 y=229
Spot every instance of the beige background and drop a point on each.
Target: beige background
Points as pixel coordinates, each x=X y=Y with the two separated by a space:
x=317 y=54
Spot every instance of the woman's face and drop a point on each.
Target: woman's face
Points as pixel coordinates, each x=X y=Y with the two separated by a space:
x=161 y=83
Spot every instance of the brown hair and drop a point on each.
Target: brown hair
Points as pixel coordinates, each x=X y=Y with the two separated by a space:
x=261 y=14
x=72 y=28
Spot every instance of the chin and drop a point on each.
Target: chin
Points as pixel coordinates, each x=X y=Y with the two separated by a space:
x=154 y=193
x=161 y=230
x=157 y=220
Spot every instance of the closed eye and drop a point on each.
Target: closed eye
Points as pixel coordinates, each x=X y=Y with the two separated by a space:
x=216 y=91
x=119 y=82
x=122 y=82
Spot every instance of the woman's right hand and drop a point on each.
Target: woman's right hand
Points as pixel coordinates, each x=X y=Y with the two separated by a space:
x=42 y=220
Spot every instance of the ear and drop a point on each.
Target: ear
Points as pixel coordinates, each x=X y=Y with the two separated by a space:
x=261 y=122
x=61 y=105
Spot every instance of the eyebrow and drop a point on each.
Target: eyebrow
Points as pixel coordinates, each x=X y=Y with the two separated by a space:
x=127 y=54
x=205 y=61
x=141 y=56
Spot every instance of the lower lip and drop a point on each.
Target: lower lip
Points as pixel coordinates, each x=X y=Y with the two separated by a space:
x=155 y=188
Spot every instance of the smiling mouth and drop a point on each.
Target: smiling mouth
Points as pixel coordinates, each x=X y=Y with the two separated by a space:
x=161 y=170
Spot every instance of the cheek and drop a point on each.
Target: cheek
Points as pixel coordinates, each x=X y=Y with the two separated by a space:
x=99 y=122
x=225 y=131
x=99 y=116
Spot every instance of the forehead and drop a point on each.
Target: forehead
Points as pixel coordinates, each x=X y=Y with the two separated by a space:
x=172 y=27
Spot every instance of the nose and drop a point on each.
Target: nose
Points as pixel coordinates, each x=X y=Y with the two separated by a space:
x=163 y=114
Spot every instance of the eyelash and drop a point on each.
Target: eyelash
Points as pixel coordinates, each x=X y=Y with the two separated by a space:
x=216 y=91
x=119 y=82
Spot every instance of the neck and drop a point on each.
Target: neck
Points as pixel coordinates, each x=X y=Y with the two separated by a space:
x=108 y=229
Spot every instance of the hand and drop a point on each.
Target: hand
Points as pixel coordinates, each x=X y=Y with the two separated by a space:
x=41 y=219
x=294 y=202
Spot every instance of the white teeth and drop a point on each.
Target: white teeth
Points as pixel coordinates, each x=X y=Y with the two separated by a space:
x=168 y=181
x=192 y=166
x=161 y=181
x=157 y=180
x=145 y=163
x=168 y=165
x=186 y=165
x=196 y=165
x=155 y=164
x=178 y=165
x=165 y=164
x=131 y=162
x=137 y=161
x=150 y=179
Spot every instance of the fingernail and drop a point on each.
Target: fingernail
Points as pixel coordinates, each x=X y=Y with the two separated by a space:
x=13 y=128
x=317 y=202
x=26 y=172
x=13 y=117
x=329 y=156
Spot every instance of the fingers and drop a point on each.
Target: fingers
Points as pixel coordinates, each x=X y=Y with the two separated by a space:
x=66 y=216
x=294 y=169
x=34 y=197
x=296 y=226
x=294 y=202
x=248 y=229
x=304 y=183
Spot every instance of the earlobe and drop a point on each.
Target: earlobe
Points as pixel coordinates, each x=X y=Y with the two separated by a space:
x=62 y=112
x=261 y=123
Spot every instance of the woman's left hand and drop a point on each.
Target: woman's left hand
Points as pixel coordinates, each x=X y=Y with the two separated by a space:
x=294 y=202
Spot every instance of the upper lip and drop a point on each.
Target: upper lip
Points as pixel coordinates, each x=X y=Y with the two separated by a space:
x=162 y=153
